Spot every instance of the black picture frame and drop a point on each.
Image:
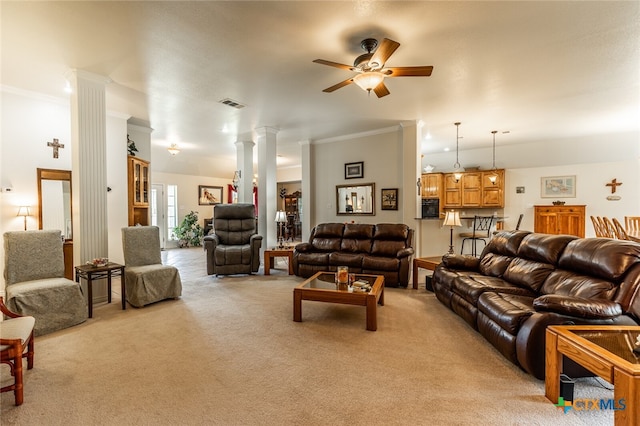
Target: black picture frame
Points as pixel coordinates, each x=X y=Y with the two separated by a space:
x=354 y=170
x=209 y=195
x=389 y=199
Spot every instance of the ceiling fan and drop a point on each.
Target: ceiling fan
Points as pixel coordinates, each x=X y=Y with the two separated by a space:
x=371 y=70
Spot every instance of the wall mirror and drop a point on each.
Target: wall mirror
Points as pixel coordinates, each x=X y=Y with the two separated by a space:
x=54 y=201
x=356 y=200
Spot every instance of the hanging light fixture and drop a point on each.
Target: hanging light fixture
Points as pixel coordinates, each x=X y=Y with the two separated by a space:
x=173 y=149
x=457 y=169
x=368 y=80
x=494 y=176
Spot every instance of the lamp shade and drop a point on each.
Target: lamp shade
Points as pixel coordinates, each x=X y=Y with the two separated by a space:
x=281 y=216
x=368 y=80
x=452 y=218
x=23 y=211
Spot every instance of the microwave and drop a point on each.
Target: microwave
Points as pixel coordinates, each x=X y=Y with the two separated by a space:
x=430 y=208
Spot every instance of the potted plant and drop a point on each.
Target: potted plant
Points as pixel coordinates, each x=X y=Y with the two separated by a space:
x=189 y=233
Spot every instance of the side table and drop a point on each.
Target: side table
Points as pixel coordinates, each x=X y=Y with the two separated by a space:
x=90 y=273
x=429 y=263
x=269 y=254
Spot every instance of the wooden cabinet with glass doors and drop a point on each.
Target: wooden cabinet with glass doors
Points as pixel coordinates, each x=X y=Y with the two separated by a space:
x=139 y=190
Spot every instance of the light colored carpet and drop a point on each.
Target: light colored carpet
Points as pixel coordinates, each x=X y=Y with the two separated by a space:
x=228 y=352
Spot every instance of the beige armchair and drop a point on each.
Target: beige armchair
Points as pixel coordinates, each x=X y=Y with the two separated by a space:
x=35 y=282
x=16 y=342
x=147 y=280
x=234 y=246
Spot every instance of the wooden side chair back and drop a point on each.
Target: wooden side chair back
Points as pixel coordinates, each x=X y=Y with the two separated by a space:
x=16 y=342
x=632 y=223
x=621 y=234
x=608 y=228
x=598 y=227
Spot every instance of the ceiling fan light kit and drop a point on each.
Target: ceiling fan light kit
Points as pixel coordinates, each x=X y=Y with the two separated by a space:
x=371 y=70
x=173 y=149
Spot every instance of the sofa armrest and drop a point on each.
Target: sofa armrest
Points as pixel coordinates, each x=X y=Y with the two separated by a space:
x=460 y=261
x=211 y=241
x=577 y=306
x=405 y=252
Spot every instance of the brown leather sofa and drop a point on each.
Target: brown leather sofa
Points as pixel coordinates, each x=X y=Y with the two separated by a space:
x=382 y=249
x=523 y=282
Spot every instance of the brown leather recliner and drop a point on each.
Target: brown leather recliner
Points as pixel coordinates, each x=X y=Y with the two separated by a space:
x=525 y=281
x=234 y=246
x=382 y=249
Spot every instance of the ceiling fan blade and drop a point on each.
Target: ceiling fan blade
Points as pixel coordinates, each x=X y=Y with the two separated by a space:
x=333 y=64
x=409 y=71
x=382 y=53
x=381 y=90
x=339 y=85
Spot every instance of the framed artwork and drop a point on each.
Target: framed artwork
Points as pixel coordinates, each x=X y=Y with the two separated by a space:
x=209 y=195
x=558 y=187
x=354 y=170
x=389 y=199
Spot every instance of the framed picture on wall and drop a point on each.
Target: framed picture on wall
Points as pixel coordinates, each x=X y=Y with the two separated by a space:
x=558 y=187
x=389 y=199
x=209 y=195
x=354 y=170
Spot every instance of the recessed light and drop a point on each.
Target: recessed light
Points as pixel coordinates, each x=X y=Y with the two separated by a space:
x=447 y=149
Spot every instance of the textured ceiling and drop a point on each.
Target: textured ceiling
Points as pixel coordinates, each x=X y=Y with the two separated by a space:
x=540 y=70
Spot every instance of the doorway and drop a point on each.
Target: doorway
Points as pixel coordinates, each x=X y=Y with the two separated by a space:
x=157 y=211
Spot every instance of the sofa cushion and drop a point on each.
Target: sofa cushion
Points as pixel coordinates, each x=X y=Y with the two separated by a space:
x=544 y=248
x=506 y=242
x=320 y=259
x=351 y=260
x=470 y=287
x=377 y=263
x=494 y=265
x=509 y=311
x=327 y=237
x=528 y=273
x=571 y=284
x=357 y=238
x=600 y=257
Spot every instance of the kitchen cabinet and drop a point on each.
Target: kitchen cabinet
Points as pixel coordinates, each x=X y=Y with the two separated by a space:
x=431 y=185
x=474 y=190
x=139 y=186
x=493 y=193
x=567 y=220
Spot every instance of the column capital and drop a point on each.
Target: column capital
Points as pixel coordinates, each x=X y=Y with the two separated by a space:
x=266 y=129
x=244 y=144
x=75 y=73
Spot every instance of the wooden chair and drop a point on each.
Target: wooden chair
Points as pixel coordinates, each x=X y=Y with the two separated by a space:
x=621 y=234
x=608 y=228
x=598 y=227
x=481 y=231
x=16 y=342
x=632 y=223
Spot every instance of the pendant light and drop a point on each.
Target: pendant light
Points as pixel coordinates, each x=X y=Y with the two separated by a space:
x=457 y=169
x=494 y=176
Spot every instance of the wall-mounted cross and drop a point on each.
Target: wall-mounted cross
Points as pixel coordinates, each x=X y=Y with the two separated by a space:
x=613 y=184
x=55 y=145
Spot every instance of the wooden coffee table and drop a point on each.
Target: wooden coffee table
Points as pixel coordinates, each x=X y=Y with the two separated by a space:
x=606 y=350
x=321 y=288
x=269 y=254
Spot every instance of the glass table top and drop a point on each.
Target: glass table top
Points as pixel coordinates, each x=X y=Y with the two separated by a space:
x=618 y=342
x=326 y=281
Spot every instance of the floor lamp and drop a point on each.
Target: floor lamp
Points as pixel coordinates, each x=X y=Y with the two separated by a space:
x=24 y=211
x=451 y=219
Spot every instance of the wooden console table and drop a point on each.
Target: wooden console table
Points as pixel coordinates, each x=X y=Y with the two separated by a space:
x=429 y=263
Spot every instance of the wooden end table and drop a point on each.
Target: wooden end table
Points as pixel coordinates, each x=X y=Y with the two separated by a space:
x=269 y=254
x=604 y=350
x=90 y=273
x=429 y=263
x=322 y=288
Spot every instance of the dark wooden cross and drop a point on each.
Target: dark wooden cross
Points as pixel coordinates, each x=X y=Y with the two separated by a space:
x=55 y=145
x=613 y=184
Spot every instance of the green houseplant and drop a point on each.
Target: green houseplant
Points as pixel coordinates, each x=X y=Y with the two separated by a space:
x=189 y=233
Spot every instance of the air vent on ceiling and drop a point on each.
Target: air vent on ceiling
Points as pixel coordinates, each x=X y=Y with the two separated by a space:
x=232 y=103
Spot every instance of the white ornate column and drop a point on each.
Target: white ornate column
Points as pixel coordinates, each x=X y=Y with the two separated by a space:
x=306 y=154
x=89 y=165
x=267 y=185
